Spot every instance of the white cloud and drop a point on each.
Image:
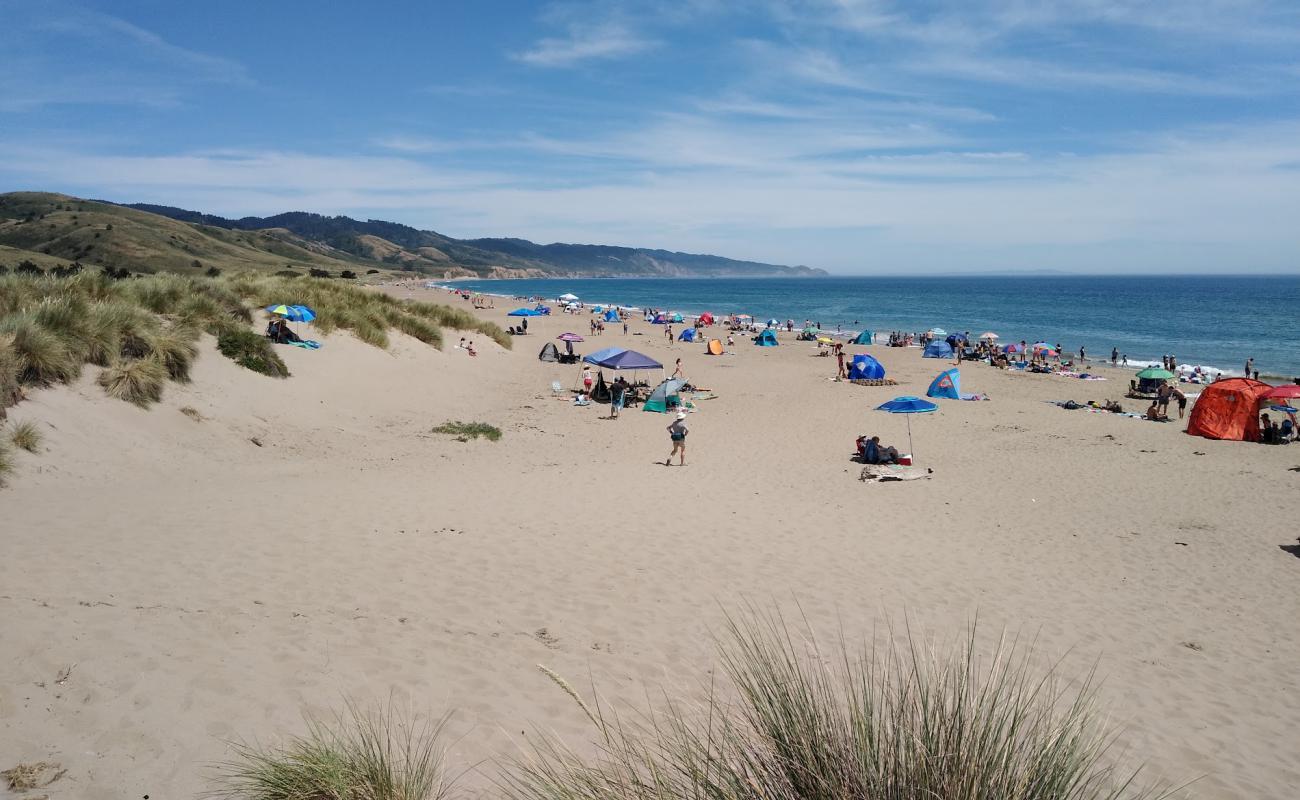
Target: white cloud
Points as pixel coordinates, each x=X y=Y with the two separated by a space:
x=586 y=42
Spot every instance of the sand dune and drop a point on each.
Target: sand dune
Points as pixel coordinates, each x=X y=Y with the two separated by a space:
x=202 y=587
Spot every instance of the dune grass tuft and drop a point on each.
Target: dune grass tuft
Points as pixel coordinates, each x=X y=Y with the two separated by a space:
x=464 y=431
x=251 y=351
x=361 y=755
x=6 y=461
x=137 y=380
x=25 y=436
x=892 y=723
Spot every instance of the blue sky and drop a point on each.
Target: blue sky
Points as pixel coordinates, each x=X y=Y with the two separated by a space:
x=860 y=135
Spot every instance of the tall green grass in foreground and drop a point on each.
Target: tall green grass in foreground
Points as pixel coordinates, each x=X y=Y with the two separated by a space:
x=878 y=725
x=786 y=722
x=362 y=755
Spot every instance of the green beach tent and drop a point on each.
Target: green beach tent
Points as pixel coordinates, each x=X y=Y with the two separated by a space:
x=865 y=337
x=664 y=396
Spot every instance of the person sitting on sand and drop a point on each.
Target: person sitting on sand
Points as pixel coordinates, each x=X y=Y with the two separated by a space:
x=470 y=347
x=280 y=332
x=876 y=453
x=1153 y=413
x=582 y=399
x=731 y=340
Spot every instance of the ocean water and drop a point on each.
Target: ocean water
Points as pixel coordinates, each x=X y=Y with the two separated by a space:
x=1216 y=321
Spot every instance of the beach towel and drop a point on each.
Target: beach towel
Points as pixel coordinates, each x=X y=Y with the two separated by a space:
x=306 y=344
x=893 y=472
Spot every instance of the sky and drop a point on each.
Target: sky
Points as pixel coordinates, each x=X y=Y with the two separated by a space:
x=860 y=136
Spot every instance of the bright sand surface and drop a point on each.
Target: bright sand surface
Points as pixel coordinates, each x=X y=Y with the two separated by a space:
x=201 y=588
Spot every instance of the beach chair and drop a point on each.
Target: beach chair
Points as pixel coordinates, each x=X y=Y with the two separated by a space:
x=557 y=387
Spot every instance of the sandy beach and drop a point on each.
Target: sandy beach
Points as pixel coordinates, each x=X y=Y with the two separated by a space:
x=169 y=584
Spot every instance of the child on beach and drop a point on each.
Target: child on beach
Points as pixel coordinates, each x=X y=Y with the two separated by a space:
x=586 y=380
x=470 y=348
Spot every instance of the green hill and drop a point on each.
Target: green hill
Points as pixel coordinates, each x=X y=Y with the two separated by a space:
x=57 y=230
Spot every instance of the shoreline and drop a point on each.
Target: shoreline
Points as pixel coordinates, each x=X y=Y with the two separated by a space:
x=1134 y=364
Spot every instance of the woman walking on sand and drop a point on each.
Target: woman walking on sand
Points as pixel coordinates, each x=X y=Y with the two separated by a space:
x=677 y=373
x=677 y=433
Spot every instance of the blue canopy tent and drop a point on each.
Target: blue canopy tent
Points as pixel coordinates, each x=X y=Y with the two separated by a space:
x=687 y=335
x=766 y=339
x=946 y=385
x=524 y=312
x=623 y=359
x=866 y=368
x=611 y=316
x=937 y=349
x=596 y=357
x=908 y=405
x=866 y=337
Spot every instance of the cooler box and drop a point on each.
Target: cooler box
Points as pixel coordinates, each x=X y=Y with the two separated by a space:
x=905 y=459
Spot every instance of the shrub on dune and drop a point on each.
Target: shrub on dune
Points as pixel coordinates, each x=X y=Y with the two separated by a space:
x=361 y=756
x=464 y=431
x=6 y=462
x=895 y=725
x=417 y=327
x=25 y=436
x=10 y=365
x=251 y=351
x=176 y=349
x=136 y=380
x=44 y=357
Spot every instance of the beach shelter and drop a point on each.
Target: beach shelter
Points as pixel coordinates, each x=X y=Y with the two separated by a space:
x=714 y=348
x=596 y=357
x=865 y=337
x=549 y=352
x=866 y=368
x=937 y=349
x=678 y=318
x=706 y=318
x=569 y=337
x=542 y=310
x=1228 y=409
x=659 y=319
x=988 y=336
x=623 y=359
x=611 y=316
x=524 y=312
x=568 y=297
x=687 y=335
x=946 y=385
x=766 y=339
x=664 y=396
x=908 y=405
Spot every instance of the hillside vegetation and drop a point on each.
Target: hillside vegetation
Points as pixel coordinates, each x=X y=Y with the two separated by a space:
x=145 y=331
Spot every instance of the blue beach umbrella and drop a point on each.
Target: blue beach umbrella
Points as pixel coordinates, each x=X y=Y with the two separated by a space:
x=524 y=312
x=292 y=313
x=908 y=405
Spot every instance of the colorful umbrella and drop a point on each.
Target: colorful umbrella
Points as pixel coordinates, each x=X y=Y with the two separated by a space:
x=988 y=335
x=1155 y=373
x=292 y=313
x=570 y=337
x=908 y=405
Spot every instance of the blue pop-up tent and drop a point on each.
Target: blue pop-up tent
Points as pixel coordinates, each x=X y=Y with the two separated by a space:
x=660 y=319
x=947 y=385
x=687 y=335
x=611 y=316
x=937 y=349
x=865 y=337
x=766 y=339
x=866 y=368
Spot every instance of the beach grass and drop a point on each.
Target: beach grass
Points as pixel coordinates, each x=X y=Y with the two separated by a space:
x=359 y=755
x=465 y=431
x=25 y=436
x=51 y=327
x=251 y=351
x=791 y=721
x=6 y=461
x=139 y=381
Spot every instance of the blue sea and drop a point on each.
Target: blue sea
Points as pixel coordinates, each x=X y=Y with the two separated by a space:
x=1214 y=321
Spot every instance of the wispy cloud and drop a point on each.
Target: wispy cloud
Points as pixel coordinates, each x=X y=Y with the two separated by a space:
x=586 y=42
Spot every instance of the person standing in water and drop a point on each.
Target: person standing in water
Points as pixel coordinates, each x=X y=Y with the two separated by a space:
x=677 y=433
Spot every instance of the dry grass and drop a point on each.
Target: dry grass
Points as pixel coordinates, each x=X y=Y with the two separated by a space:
x=192 y=413
x=892 y=724
x=25 y=436
x=138 y=380
x=6 y=462
x=36 y=775
x=362 y=755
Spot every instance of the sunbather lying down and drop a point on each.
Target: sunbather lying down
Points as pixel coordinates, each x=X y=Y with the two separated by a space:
x=871 y=451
